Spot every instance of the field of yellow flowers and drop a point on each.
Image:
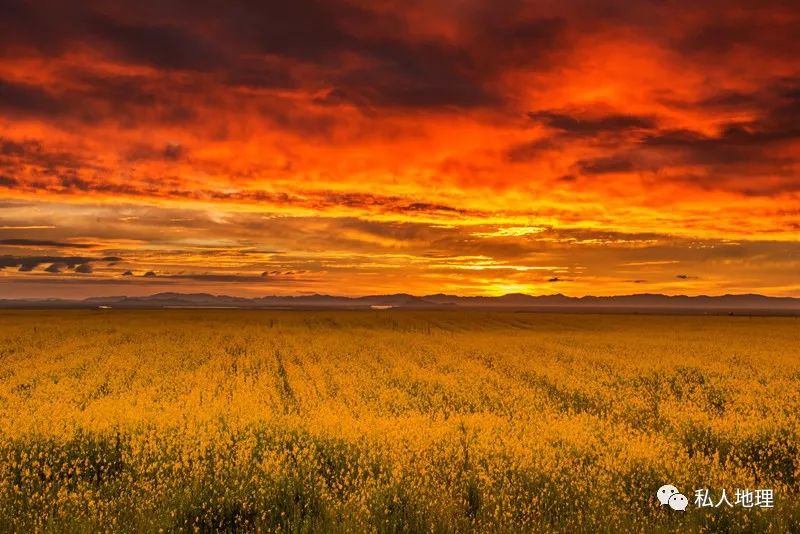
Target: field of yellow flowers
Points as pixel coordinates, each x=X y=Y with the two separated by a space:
x=225 y=420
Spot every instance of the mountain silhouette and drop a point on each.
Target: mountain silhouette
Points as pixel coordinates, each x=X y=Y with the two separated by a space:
x=516 y=301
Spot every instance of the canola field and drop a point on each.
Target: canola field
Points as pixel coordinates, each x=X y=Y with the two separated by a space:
x=394 y=421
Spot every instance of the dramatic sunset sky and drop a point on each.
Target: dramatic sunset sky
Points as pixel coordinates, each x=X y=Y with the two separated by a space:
x=362 y=147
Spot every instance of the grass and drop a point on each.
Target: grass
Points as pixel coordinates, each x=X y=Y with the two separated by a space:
x=223 y=420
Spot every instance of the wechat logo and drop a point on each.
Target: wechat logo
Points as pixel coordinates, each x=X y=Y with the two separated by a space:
x=668 y=495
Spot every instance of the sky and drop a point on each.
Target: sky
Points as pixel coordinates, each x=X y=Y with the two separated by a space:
x=467 y=147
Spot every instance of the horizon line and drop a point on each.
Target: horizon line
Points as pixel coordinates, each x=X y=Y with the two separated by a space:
x=399 y=294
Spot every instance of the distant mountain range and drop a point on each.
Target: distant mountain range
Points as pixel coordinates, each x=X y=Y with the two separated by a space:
x=640 y=302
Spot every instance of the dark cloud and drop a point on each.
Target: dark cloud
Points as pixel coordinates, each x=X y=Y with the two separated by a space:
x=261 y=73
x=174 y=151
x=751 y=157
x=6 y=181
x=80 y=264
x=424 y=90
x=567 y=128
x=729 y=99
x=30 y=27
x=30 y=161
x=308 y=30
x=149 y=274
x=394 y=68
x=56 y=267
x=606 y=165
x=508 y=36
x=397 y=71
x=368 y=55
x=124 y=91
x=528 y=151
x=28 y=263
x=715 y=38
x=42 y=243
x=89 y=98
x=158 y=45
x=427 y=207
x=89 y=281
x=127 y=273
x=735 y=142
x=144 y=152
x=24 y=99
x=575 y=125
x=11 y=147
x=753 y=32
x=776 y=116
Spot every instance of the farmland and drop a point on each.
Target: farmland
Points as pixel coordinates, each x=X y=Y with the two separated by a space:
x=393 y=421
